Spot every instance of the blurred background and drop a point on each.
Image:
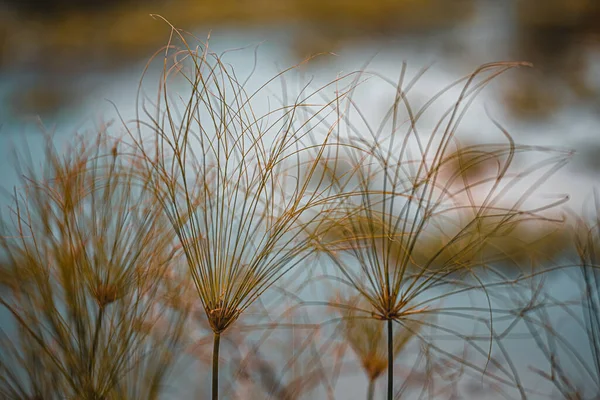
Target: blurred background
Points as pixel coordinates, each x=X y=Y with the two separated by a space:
x=48 y=45
x=57 y=56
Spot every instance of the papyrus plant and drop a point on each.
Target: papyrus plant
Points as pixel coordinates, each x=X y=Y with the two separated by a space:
x=85 y=249
x=221 y=174
x=398 y=196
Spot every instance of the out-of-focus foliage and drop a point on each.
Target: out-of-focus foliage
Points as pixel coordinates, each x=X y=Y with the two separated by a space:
x=368 y=338
x=86 y=250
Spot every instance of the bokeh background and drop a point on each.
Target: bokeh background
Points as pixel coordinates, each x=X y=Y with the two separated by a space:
x=60 y=59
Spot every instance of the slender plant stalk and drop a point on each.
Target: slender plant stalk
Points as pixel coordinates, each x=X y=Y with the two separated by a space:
x=371 y=390
x=215 y=367
x=99 y=320
x=390 y=360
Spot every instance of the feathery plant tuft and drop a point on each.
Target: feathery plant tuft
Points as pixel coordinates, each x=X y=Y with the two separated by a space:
x=85 y=249
x=398 y=194
x=222 y=176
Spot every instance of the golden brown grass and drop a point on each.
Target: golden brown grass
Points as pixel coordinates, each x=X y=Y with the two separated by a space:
x=85 y=250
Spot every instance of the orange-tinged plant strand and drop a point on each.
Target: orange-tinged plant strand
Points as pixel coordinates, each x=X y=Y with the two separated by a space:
x=220 y=173
x=85 y=253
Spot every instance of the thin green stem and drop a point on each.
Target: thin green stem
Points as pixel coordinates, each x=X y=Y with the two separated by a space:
x=390 y=360
x=371 y=390
x=215 y=367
